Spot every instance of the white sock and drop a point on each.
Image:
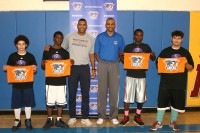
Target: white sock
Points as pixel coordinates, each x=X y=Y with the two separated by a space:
x=28 y=112
x=50 y=117
x=17 y=113
x=58 y=118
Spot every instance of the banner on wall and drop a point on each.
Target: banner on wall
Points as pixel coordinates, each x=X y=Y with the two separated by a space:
x=193 y=91
x=95 y=12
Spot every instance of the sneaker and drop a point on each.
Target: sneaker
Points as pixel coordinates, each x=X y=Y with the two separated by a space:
x=155 y=126
x=49 y=123
x=60 y=123
x=17 y=124
x=100 y=121
x=28 y=124
x=137 y=119
x=174 y=126
x=71 y=121
x=115 y=121
x=124 y=121
x=87 y=122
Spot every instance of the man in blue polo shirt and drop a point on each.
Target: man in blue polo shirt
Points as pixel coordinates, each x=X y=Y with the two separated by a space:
x=108 y=47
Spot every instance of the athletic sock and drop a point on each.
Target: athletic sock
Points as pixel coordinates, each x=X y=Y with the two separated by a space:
x=160 y=114
x=174 y=115
x=126 y=112
x=28 y=112
x=17 y=113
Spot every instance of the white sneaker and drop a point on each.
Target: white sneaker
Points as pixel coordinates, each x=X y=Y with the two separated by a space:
x=71 y=121
x=87 y=122
x=115 y=121
x=100 y=121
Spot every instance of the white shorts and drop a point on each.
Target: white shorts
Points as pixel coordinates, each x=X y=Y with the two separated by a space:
x=56 y=95
x=135 y=90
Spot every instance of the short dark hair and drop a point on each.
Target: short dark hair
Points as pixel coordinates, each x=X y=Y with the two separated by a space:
x=178 y=33
x=58 y=33
x=21 y=38
x=110 y=19
x=138 y=30
x=82 y=19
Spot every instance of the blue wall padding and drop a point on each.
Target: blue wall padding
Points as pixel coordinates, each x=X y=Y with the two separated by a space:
x=39 y=27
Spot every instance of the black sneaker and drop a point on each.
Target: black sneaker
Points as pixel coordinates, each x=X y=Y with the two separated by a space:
x=124 y=121
x=17 y=124
x=28 y=124
x=137 y=119
x=60 y=123
x=49 y=123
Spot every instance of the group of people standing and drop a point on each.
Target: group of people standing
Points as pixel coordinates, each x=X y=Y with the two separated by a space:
x=108 y=49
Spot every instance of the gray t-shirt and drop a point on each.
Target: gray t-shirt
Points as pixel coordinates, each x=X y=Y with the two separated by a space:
x=79 y=47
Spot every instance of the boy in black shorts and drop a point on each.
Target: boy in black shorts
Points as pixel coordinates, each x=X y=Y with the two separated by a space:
x=22 y=93
x=172 y=89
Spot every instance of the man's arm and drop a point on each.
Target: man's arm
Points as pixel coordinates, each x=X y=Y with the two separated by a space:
x=47 y=47
x=44 y=58
x=188 y=66
x=121 y=56
x=92 y=60
x=96 y=56
x=43 y=64
x=152 y=56
x=65 y=43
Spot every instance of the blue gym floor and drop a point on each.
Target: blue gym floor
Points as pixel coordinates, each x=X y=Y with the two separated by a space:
x=126 y=129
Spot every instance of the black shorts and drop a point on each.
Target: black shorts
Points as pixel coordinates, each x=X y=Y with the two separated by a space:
x=171 y=98
x=22 y=97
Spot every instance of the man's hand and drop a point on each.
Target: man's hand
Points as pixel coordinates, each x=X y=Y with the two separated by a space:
x=188 y=66
x=34 y=68
x=47 y=47
x=93 y=73
x=152 y=55
x=121 y=56
x=43 y=64
x=5 y=67
x=72 y=61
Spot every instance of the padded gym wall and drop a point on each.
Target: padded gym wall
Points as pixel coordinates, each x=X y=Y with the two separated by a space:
x=39 y=27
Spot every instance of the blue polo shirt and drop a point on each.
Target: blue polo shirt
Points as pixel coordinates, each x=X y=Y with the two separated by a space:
x=108 y=47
